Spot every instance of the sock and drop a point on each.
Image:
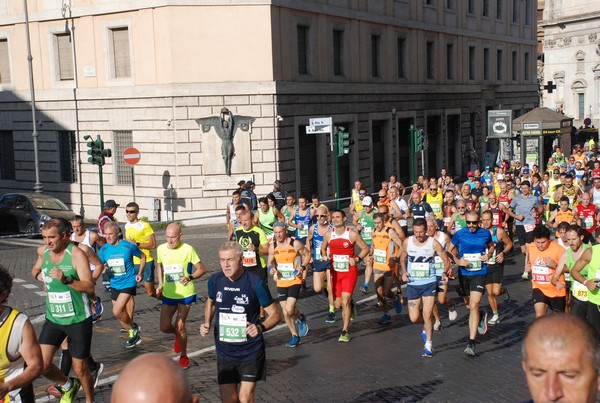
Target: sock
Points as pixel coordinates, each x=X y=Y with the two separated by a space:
x=366 y=284
x=495 y=313
x=68 y=385
x=331 y=308
x=472 y=341
x=65 y=362
x=428 y=344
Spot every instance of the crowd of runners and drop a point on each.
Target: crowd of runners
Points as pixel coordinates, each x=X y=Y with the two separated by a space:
x=416 y=240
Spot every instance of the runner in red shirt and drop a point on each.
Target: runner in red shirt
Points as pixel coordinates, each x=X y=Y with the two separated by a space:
x=341 y=240
x=588 y=218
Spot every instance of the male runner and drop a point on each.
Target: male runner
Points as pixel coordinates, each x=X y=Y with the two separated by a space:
x=141 y=234
x=107 y=215
x=230 y=216
x=300 y=219
x=234 y=298
x=341 y=241
x=177 y=266
x=363 y=223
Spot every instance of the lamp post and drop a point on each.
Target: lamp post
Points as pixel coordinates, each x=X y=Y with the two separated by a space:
x=38 y=185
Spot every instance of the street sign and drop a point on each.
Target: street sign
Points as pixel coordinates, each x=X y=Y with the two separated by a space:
x=131 y=156
x=319 y=125
x=499 y=124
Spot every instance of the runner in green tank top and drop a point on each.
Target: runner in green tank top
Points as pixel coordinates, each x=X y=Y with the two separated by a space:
x=363 y=222
x=587 y=271
x=266 y=217
x=458 y=220
x=66 y=274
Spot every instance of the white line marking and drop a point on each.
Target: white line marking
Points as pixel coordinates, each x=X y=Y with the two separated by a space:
x=18 y=280
x=41 y=293
x=39 y=319
x=30 y=286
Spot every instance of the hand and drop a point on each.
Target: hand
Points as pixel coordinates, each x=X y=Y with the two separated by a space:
x=405 y=277
x=463 y=262
x=590 y=284
x=3 y=390
x=273 y=271
x=158 y=292
x=204 y=329
x=186 y=279
x=251 y=247
x=500 y=259
x=253 y=330
x=522 y=217
x=560 y=285
x=57 y=274
x=138 y=278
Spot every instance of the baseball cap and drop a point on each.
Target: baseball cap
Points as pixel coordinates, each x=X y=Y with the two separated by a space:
x=278 y=182
x=500 y=177
x=250 y=183
x=367 y=201
x=240 y=183
x=110 y=203
x=487 y=167
x=470 y=173
x=525 y=170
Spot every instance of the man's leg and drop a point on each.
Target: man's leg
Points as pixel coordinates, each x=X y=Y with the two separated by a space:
x=346 y=309
x=378 y=281
x=428 y=304
x=121 y=312
x=368 y=273
x=229 y=393
x=51 y=371
x=414 y=310
x=246 y=394
x=318 y=281
x=181 y=331
x=166 y=318
x=80 y=367
x=287 y=307
x=475 y=299
x=540 y=309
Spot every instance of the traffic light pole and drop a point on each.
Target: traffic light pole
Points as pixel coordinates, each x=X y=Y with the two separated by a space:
x=411 y=155
x=101 y=183
x=337 y=168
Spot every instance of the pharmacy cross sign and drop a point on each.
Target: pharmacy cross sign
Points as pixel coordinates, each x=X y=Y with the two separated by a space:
x=549 y=87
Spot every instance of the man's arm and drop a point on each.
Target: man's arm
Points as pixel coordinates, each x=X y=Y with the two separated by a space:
x=139 y=276
x=358 y=241
x=583 y=261
x=199 y=272
x=159 y=278
x=324 y=245
x=151 y=244
x=36 y=270
x=560 y=269
x=82 y=266
x=209 y=314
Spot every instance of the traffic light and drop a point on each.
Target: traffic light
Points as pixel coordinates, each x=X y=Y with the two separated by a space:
x=418 y=140
x=96 y=151
x=343 y=142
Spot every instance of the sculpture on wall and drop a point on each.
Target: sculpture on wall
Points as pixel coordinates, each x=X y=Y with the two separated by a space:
x=226 y=125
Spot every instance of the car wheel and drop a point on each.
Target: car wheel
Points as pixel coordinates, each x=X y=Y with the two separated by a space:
x=30 y=229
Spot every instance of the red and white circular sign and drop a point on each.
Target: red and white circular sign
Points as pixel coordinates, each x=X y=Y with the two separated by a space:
x=131 y=156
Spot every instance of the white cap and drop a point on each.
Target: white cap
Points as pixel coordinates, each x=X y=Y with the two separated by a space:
x=500 y=177
x=367 y=201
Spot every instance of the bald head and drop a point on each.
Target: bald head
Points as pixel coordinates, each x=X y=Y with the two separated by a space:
x=152 y=378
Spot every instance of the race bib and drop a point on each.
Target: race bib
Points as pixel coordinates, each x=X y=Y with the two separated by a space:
x=61 y=304
x=447 y=221
x=438 y=263
x=529 y=227
x=367 y=234
x=379 y=256
x=474 y=261
x=173 y=273
x=579 y=291
x=249 y=258
x=418 y=270
x=495 y=219
x=436 y=208
x=117 y=266
x=540 y=274
x=303 y=232
x=232 y=327
x=341 y=262
x=588 y=222
x=571 y=199
x=492 y=259
x=286 y=271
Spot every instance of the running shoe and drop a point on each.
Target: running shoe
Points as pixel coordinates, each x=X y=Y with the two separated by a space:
x=294 y=341
x=98 y=309
x=344 y=337
x=54 y=391
x=424 y=336
x=506 y=294
x=386 y=318
x=470 y=350
x=494 y=320
x=69 y=395
x=526 y=275
x=302 y=326
x=134 y=338
x=96 y=373
x=452 y=314
x=184 y=362
x=176 y=346
x=482 y=328
x=427 y=353
x=330 y=317
x=123 y=330
x=437 y=325
x=353 y=312
x=364 y=288
x=398 y=303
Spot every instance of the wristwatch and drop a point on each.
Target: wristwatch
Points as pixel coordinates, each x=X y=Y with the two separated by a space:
x=357 y=259
x=262 y=328
x=68 y=280
x=137 y=244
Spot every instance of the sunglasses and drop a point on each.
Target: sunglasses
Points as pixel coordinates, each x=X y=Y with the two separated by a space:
x=472 y=222
x=321 y=216
x=432 y=188
x=130 y=211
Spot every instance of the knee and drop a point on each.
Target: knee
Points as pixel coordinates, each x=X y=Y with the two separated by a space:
x=166 y=327
x=318 y=287
x=116 y=312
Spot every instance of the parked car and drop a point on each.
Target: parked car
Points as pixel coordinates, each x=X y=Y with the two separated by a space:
x=27 y=212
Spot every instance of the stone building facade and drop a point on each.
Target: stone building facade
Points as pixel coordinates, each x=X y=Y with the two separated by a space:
x=146 y=70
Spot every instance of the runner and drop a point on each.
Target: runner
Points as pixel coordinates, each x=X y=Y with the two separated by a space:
x=448 y=210
x=562 y=214
x=459 y=218
x=588 y=218
x=503 y=245
x=436 y=200
x=393 y=224
x=471 y=254
x=363 y=223
x=399 y=208
x=284 y=254
x=287 y=210
x=418 y=271
x=570 y=190
x=177 y=266
x=65 y=271
x=385 y=252
x=341 y=241
x=141 y=234
x=107 y=215
x=266 y=216
x=419 y=208
x=355 y=205
x=586 y=272
x=321 y=265
x=578 y=304
x=118 y=255
x=230 y=216
x=21 y=360
x=301 y=218
x=238 y=333
x=542 y=260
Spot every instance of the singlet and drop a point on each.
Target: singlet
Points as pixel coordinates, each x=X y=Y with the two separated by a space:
x=552 y=186
x=504 y=199
x=383 y=249
x=540 y=273
x=592 y=272
x=86 y=239
x=564 y=216
x=177 y=263
x=12 y=323
x=251 y=259
x=497 y=215
x=302 y=233
x=471 y=246
x=587 y=216
x=578 y=290
x=447 y=211
x=287 y=214
x=572 y=195
x=64 y=305
x=596 y=197
x=232 y=214
x=140 y=232
x=317 y=241
x=119 y=259
x=356 y=199
x=267 y=220
x=368 y=226
x=499 y=247
x=341 y=250
x=460 y=223
x=438 y=262
x=420 y=265
x=285 y=255
x=436 y=203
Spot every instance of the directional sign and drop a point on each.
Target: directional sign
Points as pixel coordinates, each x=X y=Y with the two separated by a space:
x=131 y=156
x=319 y=125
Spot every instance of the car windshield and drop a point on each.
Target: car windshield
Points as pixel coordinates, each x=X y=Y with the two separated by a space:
x=48 y=203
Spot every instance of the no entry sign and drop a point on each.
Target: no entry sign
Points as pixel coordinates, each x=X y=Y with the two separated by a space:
x=131 y=156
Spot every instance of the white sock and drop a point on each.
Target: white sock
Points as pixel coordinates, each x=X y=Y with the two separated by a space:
x=68 y=385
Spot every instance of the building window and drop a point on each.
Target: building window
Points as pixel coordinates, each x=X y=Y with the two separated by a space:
x=486 y=8
x=580 y=57
x=499 y=9
x=499 y=65
x=122 y=140
x=450 y=4
x=527 y=12
x=471 y=62
x=486 y=64
x=4 y=62
x=527 y=63
x=430 y=2
x=581 y=105
x=450 y=61
x=7 y=152
x=68 y=156
x=430 y=60
x=401 y=58
x=302 y=38
x=375 y=49
x=471 y=6
x=338 y=52
x=515 y=66
x=63 y=57
x=121 y=57
x=515 y=10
